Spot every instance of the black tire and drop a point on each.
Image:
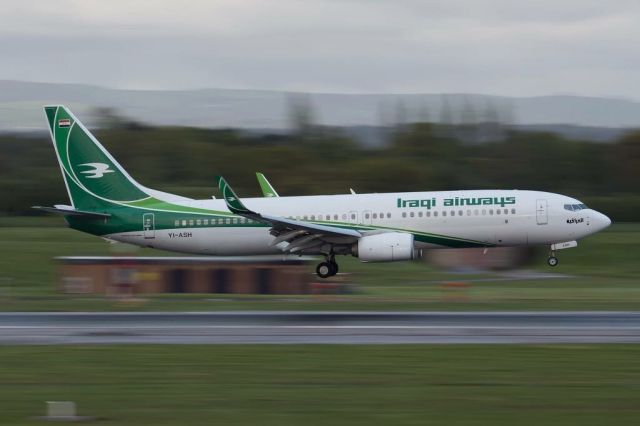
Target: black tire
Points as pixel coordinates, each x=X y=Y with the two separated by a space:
x=324 y=270
x=334 y=268
x=552 y=261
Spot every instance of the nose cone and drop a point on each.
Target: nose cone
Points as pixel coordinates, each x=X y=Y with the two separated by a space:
x=600 y=221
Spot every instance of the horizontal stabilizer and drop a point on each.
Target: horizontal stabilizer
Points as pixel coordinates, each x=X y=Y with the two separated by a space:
x=70 y=211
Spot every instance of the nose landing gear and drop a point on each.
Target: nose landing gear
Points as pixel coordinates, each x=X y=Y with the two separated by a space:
x=552 y=260
x=327 y=268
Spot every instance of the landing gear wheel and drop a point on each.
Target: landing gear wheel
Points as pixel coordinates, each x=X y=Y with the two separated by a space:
x=552 y=261
x=334 y=267
x=324 y=270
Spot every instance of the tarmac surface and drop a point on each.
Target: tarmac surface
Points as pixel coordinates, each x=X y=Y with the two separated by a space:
x=280 y=327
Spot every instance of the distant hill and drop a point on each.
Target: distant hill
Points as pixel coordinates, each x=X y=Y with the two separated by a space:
x=587 y=118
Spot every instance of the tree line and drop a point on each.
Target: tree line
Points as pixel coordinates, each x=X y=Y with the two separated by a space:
x=320 y=160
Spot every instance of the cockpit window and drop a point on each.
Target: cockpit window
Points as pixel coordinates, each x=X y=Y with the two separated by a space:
x=575 y=207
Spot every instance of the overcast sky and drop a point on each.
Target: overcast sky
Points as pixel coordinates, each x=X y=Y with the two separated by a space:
x=503 y=47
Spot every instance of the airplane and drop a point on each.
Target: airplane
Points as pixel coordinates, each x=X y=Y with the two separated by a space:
x=107 y=202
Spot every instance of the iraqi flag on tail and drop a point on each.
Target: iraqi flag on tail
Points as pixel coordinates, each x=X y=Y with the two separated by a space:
x=64 y=122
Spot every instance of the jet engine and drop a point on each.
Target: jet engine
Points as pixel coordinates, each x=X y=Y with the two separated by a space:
x=385 y=247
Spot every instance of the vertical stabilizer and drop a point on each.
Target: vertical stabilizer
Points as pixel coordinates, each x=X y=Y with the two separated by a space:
x=94 y=179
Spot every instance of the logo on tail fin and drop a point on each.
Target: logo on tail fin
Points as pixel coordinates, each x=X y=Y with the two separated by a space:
x=99 y=170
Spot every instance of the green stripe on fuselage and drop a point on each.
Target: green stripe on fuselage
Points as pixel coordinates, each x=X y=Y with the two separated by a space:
x=128 y=218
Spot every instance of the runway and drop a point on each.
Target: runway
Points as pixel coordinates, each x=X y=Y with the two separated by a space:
x=281 y=327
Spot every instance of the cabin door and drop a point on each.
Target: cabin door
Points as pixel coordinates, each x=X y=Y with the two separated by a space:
x=542 y=217
x=149 y=225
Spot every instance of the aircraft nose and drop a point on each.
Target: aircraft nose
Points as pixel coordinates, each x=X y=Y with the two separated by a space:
x=600 y=221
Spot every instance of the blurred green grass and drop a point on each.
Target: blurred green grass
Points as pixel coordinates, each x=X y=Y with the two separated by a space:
x=600 y=274
x=326 y=384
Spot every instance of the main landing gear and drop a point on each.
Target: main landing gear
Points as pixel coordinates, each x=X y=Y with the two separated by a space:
x=552 y=260
x=327 y=268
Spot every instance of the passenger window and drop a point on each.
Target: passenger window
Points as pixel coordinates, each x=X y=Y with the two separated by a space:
x=206 y=221
x=184 y=222
x=353 y=216
x=366 y=215
x=199 y=222
x=227 y=221
x=176 y=223
x=506 y=211
x=444 y=213
x=468 y=212
x=388 y=215
x=419 y=214
x=435 y=214
x=375 y=215
x=335 y=217
x=491 y=212
x=191 y=222
x=428 y=214
x=460 y=213
x=498 y=211
x=412 y=214
x=404 y=214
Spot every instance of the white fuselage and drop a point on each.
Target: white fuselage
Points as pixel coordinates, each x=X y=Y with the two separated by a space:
x=473 y=218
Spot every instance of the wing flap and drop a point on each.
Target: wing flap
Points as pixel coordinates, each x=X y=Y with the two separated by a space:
x=311 y=227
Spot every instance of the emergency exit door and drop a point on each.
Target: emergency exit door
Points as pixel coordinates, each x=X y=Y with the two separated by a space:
x=542 y=217
x=149 y=225
x=366 y=217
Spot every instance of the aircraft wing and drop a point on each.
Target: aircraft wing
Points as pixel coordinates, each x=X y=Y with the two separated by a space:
x=267 y=189
x=300 y=235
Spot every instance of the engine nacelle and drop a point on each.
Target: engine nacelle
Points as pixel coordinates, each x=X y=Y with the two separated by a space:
x=386 y=247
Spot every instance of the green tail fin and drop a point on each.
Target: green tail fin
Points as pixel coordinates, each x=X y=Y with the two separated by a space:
x=94 y=179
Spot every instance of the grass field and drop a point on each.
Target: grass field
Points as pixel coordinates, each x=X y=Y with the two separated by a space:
x=317 y=385
x=602 y=275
